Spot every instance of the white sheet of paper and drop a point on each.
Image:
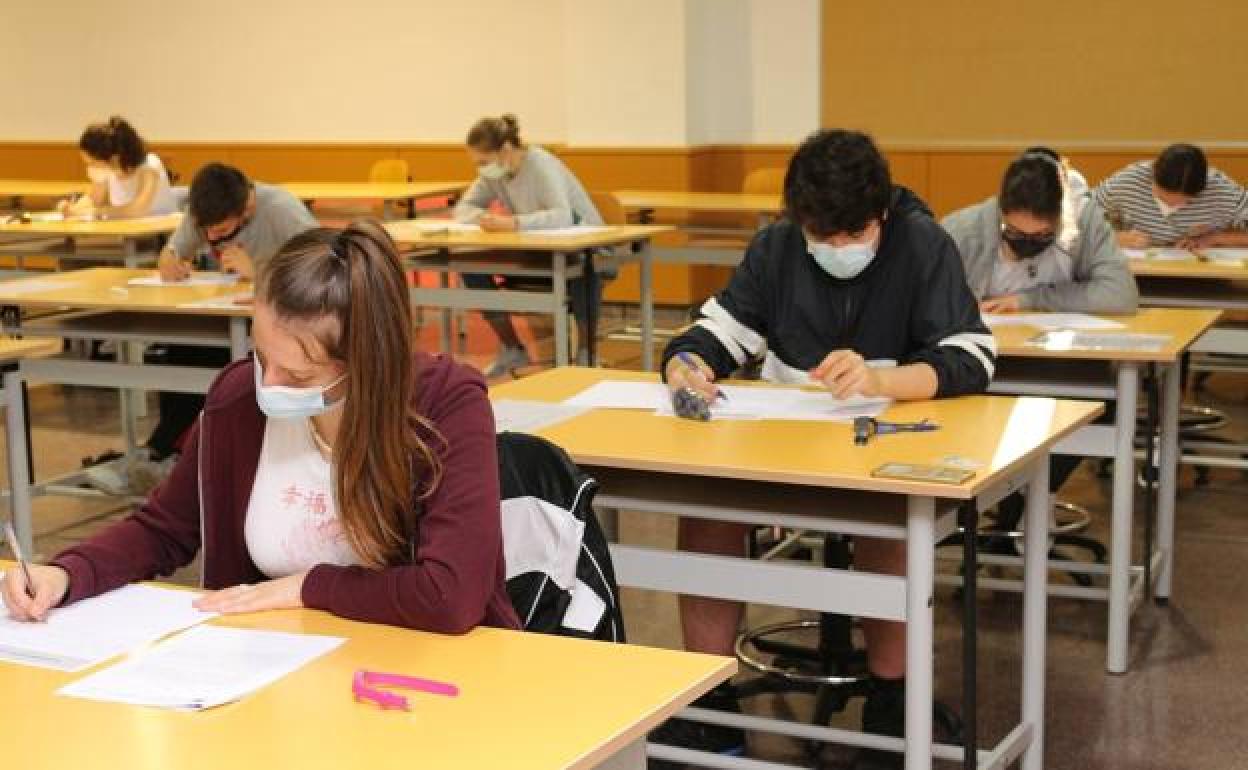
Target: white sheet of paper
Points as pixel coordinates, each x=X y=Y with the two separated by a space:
x=1225 y=256
x=570 y=232
x=530 y=416
x=196 y=279
x=203 y=668
x=1074 y=340
x=94 y=630
x=1051 y=321
x=1160 y=254
x=425 y=227
x=741 y=402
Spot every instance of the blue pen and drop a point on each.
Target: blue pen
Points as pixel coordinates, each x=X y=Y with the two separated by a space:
x=688 y=361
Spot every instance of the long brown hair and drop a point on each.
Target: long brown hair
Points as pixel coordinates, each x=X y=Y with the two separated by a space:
x=384 y=453
x=490 y=134
x=116 y=137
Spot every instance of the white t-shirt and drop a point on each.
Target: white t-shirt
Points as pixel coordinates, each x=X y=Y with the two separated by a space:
x=122 y=189
x=292 y=518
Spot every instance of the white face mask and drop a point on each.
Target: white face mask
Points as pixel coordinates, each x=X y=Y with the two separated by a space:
x=492 y=170
x=1167 y=210
x=280 y=402
x=99 y=175
x=842 y=262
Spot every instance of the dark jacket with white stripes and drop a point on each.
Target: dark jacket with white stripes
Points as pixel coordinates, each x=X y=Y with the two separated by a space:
x=911 y=304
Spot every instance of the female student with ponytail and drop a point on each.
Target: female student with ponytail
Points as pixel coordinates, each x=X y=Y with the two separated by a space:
x=304 y=482
x=126 y=179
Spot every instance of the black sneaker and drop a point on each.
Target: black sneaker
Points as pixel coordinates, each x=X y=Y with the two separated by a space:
x=883 y=713
x=697 y=736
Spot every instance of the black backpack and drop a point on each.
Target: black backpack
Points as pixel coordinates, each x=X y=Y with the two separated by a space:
x=559 y=572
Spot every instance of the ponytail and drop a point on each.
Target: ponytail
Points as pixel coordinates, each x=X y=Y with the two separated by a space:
x=491 y=134
x=384 y=454
x=103 y=141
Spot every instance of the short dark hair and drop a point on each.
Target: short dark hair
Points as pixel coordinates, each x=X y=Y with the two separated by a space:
x=117 y=137
x=218 y=192
x=1181 y=168
x=837 y=182
x=1033 y=184
x=1044 y=150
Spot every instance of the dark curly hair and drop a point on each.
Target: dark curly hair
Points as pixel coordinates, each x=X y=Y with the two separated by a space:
x=218 y=192
x=103 y=141
x=1181 y=168
x=837 y=182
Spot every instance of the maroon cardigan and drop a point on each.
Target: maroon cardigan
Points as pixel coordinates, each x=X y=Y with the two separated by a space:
x=455 y=581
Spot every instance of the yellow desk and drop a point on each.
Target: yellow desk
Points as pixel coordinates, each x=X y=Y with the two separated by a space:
x=1114 y=374
x=643 y=205
x=527 y=701
x=811 y=476
x=388 y=193
x=559 y=257
x=98 y=304
x=41 y=188
x=137 y=237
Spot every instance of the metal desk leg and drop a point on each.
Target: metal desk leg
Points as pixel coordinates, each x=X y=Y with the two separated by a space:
x=1035 y=595
x=1120 y=529
x=559 y=289
x=19 y=471
x=969 y=515
x=125 y=355
x=646 y=256
x=444 y=282
x=1168 y=480
x=588 y=279
x=239 y=341
x=920 y=577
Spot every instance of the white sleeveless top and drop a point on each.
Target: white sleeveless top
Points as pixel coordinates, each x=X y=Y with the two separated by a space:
x=292 y=520
x=122 y=189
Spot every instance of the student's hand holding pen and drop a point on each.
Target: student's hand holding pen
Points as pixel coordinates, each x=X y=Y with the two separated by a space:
x=31 y=601
x=687 y=370
x=172 y=267
x=235 y=259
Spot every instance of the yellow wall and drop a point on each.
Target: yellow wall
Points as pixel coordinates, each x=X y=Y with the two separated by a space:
x=1111 y=71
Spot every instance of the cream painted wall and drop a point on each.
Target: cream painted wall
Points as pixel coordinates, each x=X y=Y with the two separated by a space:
x=582 y=72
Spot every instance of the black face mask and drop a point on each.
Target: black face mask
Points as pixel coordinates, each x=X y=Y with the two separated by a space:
x=217 y=243
x=1026 y=247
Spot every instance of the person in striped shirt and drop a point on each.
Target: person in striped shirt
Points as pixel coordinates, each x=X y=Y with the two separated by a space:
x=1175 y=200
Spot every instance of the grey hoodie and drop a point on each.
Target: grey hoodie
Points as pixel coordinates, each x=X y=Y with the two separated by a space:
x=1102 y=280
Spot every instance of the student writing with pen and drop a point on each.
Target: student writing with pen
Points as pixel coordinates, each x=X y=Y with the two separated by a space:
x=857 y=272
x=232 y=224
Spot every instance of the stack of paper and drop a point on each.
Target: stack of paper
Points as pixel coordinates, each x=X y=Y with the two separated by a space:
x=205 y=667
x=1233 y=257
x=740 y=402
x=1050 y=321
x=1074 y=340
x=530 y=416
x=94 y=630
x=1160 y=254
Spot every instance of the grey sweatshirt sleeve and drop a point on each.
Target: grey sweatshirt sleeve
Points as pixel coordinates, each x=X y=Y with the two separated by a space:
x=186 y=239
x=1102 y=277
x=474 y=202
x=553 y=205
x=976 y=232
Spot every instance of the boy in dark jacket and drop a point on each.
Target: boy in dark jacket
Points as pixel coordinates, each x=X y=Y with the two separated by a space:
x=860 y=290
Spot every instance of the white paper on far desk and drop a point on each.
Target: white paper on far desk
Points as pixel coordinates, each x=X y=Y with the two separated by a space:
x=1221 y=256
x=1051 y=321
x=223 y=302
x=742 y=403
x=1160 y=254
x=94 y=630
x=196 y=279
x=530 y=416
x=205 y=667
x=570 y=232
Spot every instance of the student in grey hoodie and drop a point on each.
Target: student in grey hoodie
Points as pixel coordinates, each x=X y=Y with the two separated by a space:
x=1022 y=254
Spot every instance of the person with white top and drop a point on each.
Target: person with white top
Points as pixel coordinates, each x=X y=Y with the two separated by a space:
x=126 y=180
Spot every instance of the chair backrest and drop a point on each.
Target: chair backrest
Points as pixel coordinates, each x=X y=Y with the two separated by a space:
x=389 y=171
x=764 y=181
x=609 y=208
x=558 y=564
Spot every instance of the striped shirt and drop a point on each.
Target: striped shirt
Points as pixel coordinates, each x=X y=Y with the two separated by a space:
x=1127 y=198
